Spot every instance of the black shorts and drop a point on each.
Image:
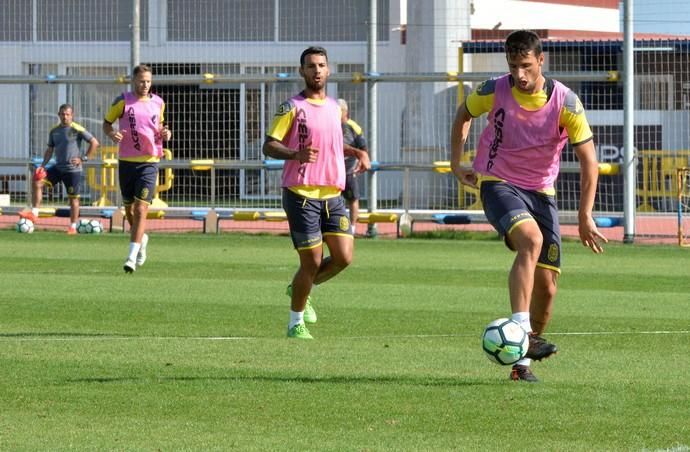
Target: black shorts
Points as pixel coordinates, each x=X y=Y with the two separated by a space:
x=506 y=206
x=137 y=181
x=351 y=191
x=311 y=219
x=71 y=180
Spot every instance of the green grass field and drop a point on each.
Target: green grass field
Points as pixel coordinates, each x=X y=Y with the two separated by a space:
x=190 y=352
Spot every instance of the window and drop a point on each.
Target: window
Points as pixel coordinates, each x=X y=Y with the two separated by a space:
x=82 y=20
x=338 y=20
x=654 y=92
x=220 y=20
x=15 y=20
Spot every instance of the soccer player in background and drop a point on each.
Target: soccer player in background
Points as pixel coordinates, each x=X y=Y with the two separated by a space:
x=530 y=118
x=64 y=140
x=352 y=136
x=306 y=133
x=140 y=136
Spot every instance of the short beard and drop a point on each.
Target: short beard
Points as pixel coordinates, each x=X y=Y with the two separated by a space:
x=314 y=86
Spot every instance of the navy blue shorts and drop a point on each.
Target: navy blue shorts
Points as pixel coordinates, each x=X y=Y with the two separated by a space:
x=137 y=181
x=311 y=219
x=351 y=191
x=71 y=180
x=506 y=206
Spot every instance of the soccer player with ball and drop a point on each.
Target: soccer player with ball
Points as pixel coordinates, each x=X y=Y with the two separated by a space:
x=64 y=142
x=530 y=118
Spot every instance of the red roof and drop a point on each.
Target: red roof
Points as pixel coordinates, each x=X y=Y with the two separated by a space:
x=572 y=35
x=609 y=4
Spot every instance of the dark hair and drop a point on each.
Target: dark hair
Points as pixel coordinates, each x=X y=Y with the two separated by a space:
x=521 y=42
x=65 y=107
x=141 y=68
x=314 y=50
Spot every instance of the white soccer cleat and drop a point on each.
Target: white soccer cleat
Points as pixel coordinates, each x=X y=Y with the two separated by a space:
x=130 y=266
x=141 y=255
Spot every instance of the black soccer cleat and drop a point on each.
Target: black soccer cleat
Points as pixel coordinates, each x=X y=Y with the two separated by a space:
x=522 y=373
x=539 y=348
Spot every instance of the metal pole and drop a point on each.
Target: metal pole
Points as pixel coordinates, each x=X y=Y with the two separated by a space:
x=629 y=170
x=371 y=118
x=136 y=34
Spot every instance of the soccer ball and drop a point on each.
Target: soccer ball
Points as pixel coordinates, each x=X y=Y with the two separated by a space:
x=24 y=225
x=505 y=342
x=89 y=226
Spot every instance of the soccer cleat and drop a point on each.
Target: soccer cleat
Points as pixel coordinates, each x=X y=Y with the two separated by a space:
x=29 y=215
x=130 y=266
x=141 y=255
x=299 y=331
x=71 y=230
x=539 y=348
x=309 y=311
x=522 y=373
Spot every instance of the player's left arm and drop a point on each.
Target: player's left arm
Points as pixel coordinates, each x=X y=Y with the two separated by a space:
x=166 y=133
x=89 y=138
x=573 y=119
x=93 y=145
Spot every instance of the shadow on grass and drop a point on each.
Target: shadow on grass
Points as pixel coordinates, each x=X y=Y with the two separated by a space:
x=65 y=335
x=335 y=379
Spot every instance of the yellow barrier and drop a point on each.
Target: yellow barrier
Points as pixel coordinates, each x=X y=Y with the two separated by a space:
x=168 y=178
x=377 y=217
x=201 y=165
x=443 y=167
x=246 y=216
x=275 y=216
x=659 y=176
x=103 y=180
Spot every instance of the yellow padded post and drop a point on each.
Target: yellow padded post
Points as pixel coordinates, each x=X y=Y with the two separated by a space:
x=246 y=216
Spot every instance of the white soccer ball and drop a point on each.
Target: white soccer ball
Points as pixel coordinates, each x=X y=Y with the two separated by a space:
x=25 y=226
x=505 y=342
x=89 y=226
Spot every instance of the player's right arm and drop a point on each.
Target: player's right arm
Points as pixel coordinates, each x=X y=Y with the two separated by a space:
x=47 y=155
x=480 y=101
x=273 y=146
x=458 y=137
x=114 y=113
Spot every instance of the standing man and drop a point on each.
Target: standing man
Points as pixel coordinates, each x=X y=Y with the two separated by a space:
x=306 y=133
x=518 y=159
x=64 y=140
x=352 y=136
x=140 y=137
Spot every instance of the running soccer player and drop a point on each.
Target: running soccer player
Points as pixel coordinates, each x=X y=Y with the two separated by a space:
x=306 y=133
x=530 y=118
x=140 y=136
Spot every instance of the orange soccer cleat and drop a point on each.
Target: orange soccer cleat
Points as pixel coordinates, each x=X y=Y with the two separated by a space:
x=40 y=173
x=29 y=215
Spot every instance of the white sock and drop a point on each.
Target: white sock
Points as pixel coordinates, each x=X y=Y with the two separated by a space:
x=34 y=210
x=74 y=225
x=523 y=319
x=524 y=362
x=133 y=250
x=295 y=318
